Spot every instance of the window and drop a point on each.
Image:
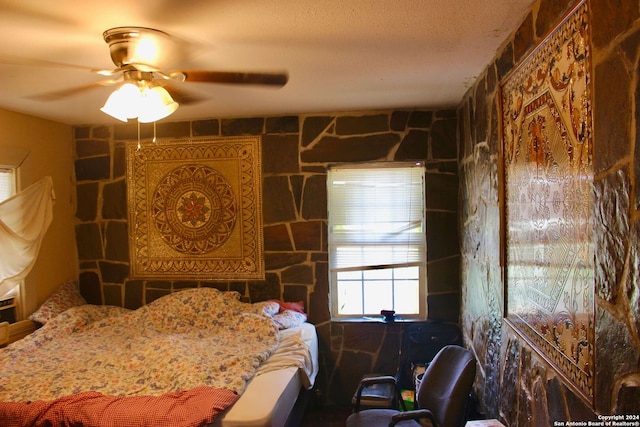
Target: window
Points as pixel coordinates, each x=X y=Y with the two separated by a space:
x=7 y=183
x=377 y=243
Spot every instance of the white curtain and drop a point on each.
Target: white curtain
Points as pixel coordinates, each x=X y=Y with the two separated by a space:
x=24 y=220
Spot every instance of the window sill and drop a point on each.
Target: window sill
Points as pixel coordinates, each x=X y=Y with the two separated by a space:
x=376 y=319
x=20 y=329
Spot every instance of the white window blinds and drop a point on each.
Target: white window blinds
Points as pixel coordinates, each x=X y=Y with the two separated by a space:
x=376 y=216
x=7 y=183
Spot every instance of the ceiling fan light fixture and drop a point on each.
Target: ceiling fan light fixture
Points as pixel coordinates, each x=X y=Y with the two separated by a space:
x=156 y=104
x=123 y=103
x=138 y=100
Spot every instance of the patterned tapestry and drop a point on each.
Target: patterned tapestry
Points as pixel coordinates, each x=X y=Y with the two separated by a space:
x=548 y=201
x=195 y=209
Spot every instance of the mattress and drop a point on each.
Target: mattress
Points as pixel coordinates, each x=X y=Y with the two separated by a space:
x=270 y=396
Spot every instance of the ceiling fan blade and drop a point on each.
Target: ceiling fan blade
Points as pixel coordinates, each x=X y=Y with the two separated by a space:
x=183 y=97
x=271 y=79
x=59 y=94
x=30 y=62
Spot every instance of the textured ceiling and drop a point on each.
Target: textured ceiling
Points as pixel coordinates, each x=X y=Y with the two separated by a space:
x=340 y=55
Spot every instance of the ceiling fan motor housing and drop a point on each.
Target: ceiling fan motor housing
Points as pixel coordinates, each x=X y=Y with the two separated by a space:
x=137 y=46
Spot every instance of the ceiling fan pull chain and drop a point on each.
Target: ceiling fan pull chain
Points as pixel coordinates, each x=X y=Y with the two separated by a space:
x=154 y=134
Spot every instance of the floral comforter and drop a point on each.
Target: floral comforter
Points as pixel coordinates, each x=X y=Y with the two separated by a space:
x=196 y=337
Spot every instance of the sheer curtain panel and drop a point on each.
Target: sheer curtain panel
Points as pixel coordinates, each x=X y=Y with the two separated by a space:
x=24 y=220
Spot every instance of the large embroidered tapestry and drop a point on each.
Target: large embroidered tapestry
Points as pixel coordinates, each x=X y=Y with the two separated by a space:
x=548 y=204
x=195 y=209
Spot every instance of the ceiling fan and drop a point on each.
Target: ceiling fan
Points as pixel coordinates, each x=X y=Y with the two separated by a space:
x=140 y=49
x=139 y=54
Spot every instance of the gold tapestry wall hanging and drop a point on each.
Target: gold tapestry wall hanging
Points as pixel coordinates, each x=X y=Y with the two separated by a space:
x=548 y=201
x=195 y=209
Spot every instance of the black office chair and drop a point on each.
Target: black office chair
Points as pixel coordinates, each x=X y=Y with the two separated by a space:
x=420 y=344
x=442 y=395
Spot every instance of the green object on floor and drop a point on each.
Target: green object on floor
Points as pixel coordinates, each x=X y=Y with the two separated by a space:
x=408 y=396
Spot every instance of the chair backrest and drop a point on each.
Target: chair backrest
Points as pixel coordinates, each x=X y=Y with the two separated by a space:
x=446 y=385
x=421 y=341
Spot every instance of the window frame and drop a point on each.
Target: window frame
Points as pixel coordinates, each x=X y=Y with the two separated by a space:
x=421 y=263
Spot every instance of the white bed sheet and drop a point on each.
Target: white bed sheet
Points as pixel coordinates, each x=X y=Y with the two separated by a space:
x=270 y=396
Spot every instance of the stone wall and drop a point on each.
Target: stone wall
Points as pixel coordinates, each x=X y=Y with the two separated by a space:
x=295 y=153
x=514 y=384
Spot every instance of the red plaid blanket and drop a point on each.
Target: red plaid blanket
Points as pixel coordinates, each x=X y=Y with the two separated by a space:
x=191 y=408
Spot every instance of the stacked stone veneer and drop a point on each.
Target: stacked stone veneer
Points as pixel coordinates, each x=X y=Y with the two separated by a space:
x=514 y=383
x=295 y=153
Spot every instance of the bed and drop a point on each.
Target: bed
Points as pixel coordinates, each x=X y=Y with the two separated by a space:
x=197 y=357
x=279 y=383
